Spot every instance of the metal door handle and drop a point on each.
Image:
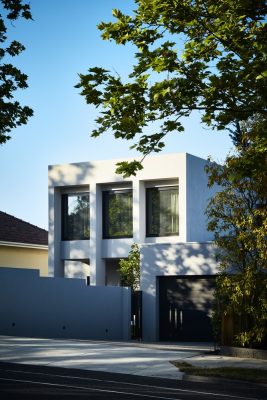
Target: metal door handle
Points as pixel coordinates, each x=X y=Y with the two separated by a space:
x=181 y=317
x=170 y=315
x=175 y=318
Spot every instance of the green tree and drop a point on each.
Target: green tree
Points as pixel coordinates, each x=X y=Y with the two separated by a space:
x=238 y=217
x=12 y=113
x=130 y=268
x=192 y=55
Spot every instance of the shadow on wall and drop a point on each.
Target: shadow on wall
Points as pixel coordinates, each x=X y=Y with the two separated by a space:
x=183 y=259
x=77 y=175
x=78 y=268
x=60 y=177
x=70 y=174
x=175 y=259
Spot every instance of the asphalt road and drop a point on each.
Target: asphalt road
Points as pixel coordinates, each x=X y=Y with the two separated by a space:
x=29 y=382
x=19 y=381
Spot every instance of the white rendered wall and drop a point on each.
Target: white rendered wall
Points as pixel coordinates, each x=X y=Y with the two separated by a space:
x=97 y=265
x=75 y=249
x=172 y=255
x=168 y=260
x=197 y=197
x=185 y=169
x=76 y=269
x=55 y=263
x=99 y=175
x=165 y=169
x=116 y=248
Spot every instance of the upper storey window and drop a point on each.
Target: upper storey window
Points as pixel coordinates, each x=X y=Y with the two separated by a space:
x=75 y=216
x=162 y=211
x=117 y=214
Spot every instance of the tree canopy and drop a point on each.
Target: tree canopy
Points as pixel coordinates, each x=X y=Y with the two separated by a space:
x=210 y=57
x=12 y=113
x=238 y=217
x=192 y=55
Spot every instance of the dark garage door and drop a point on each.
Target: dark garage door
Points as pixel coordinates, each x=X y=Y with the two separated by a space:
x=185 y=304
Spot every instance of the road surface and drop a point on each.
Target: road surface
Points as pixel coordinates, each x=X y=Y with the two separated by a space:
x=18 y=381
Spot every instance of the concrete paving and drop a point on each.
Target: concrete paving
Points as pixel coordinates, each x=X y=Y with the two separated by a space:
x=145 y=359
x=120 y=357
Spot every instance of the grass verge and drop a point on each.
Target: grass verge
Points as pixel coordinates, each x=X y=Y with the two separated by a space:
x=244 y=374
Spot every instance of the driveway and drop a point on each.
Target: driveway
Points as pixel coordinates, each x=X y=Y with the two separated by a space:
x=117 y=357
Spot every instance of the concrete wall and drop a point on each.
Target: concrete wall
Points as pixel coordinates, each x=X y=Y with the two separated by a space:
x=182 y=169
x=76 y=269
x=24 y=257
x=168 y=260
x=171 y=255
x=197 y=197
x=61 y=308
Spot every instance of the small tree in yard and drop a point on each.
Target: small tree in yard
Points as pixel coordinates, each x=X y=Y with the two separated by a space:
x=130 y=268
x=237 y=216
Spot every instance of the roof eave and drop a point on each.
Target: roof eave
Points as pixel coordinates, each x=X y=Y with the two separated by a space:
x=24 y=245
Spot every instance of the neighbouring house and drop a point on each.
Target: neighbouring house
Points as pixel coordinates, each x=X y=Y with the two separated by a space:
x=22 y=245
x=95 y=216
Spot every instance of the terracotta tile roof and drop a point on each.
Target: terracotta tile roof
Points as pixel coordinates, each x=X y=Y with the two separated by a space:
x=13 y=229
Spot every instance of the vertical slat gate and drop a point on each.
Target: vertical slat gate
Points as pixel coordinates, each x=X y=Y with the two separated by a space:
x=136 y=317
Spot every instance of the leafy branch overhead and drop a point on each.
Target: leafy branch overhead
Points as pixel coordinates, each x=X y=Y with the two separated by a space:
x=12 y=113
x=192 y=55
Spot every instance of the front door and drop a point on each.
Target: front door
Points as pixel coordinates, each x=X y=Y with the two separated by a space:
x=185 y=305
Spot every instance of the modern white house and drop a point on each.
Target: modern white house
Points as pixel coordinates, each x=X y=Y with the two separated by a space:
x=95 y=216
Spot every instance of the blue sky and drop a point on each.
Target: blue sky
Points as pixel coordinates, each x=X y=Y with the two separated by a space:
x=61 y=42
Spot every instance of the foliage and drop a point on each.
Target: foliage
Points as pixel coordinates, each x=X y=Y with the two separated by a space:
x=12 y=114
x=243 y=374
x=130 y=268
x=192 y=55
x=238 y=217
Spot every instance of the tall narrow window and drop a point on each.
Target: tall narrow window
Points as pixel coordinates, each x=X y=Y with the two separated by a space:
x=75 y=216
x=162 y=211
x=117 y=214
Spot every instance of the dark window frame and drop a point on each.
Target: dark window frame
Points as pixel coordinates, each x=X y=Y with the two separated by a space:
x=106 y=194
x=158 y=189
x=65 y=236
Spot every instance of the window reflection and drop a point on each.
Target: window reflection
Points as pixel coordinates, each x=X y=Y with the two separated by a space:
x=75 y=216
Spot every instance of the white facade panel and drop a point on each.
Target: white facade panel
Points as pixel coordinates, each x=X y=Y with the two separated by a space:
x=116 y=248
x=168 y=255
x=170 y=260
x=197 y=196
x=75 y=249
x=76 y=269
